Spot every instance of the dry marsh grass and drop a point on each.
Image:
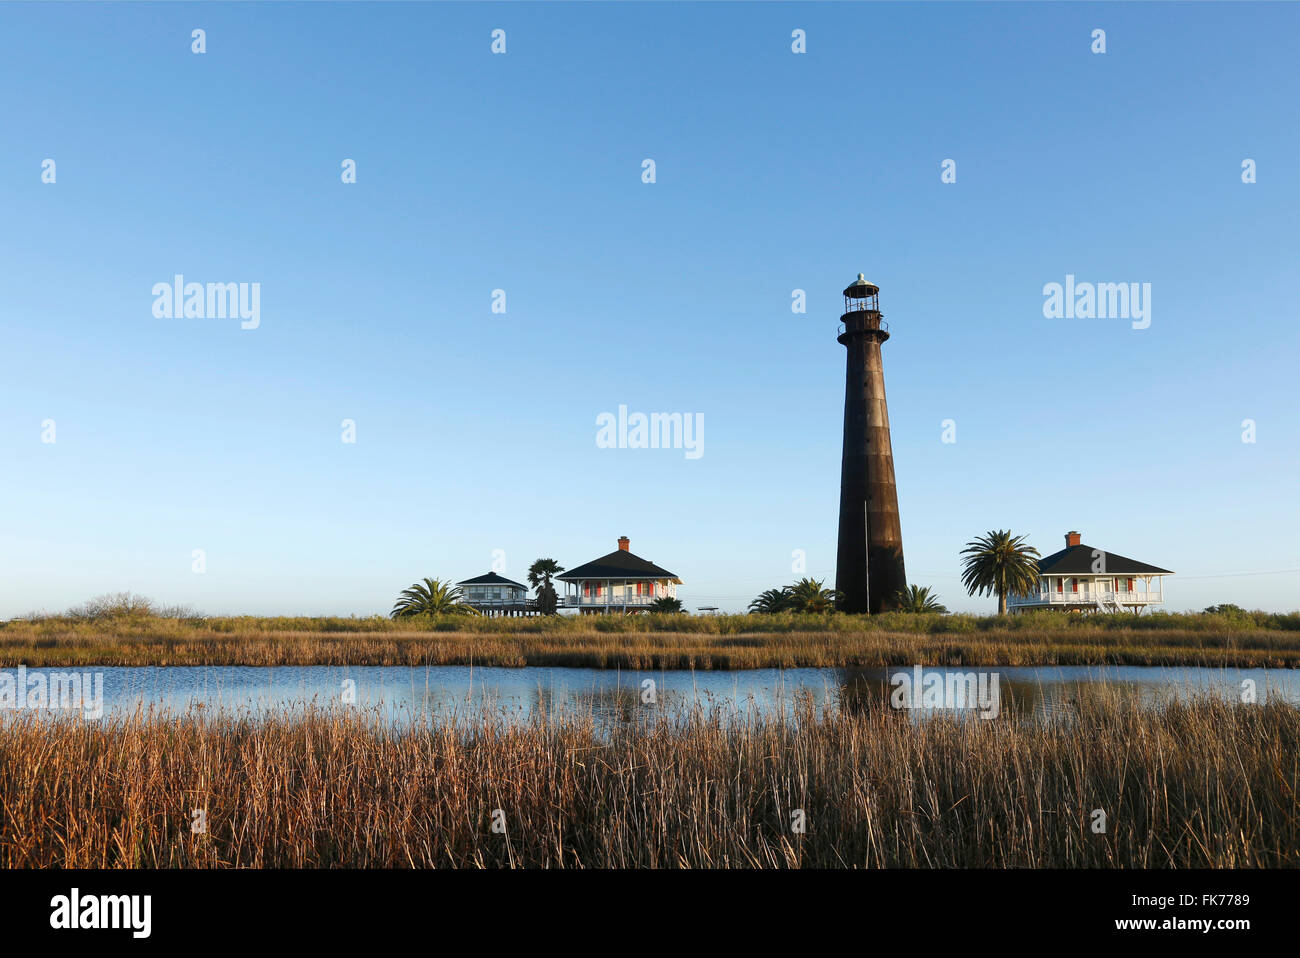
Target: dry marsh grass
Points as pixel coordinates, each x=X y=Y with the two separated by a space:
x=1194 y=784
x=647 y=642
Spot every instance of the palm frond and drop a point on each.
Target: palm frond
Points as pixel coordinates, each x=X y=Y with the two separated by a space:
x=999 y=564
x=431 y=597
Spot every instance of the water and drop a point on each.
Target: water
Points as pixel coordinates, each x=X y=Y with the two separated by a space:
x=403 y=694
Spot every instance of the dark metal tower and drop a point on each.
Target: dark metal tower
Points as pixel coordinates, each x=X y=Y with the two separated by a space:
x=869 y=563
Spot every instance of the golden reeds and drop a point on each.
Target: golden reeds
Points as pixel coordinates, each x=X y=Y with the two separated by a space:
x=1193 y=783
x=648 y=642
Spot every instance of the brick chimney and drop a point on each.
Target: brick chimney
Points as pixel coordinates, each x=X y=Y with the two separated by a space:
x=624 y=542
x=1071 y=539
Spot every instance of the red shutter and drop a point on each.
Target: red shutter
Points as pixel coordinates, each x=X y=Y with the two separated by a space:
x=1060 y=585
x=1074 y=585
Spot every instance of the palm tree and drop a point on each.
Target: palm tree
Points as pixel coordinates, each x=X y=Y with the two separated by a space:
x=999 y=564
x=771 y=601
x=666 y=603
x=431 y=597
x=808 y=596
x=919 y=598
x=539 y=577
x=540 y=572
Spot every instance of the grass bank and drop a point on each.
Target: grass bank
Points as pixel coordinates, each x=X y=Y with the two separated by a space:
x=1251 y=640
x=1199 y=784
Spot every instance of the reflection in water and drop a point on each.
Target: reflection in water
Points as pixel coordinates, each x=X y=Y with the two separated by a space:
x=617 y=698
x=1052 y=693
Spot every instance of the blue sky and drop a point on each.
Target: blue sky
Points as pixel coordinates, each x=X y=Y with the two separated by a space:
x=523 y=172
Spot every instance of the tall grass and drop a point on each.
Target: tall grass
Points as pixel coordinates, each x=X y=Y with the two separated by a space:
x=593 y=644
x=126 y=630
x=128 y=614
x=1196 y=783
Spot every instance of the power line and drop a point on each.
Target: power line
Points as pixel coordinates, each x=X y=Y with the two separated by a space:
x=703 y=591
x=822 y=574
x=1233 y=575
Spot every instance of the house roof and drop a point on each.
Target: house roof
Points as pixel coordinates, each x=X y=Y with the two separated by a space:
x=619 y=564
x=1078 y=560
x=491 y=578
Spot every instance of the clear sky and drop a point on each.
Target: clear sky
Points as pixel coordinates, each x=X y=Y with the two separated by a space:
x=774 y=171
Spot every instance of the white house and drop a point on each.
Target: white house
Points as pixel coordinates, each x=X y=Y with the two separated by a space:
x=1080 y=578
x=617 y=582
x=493 y=594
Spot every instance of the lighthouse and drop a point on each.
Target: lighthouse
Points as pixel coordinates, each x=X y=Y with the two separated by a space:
x=869 y=570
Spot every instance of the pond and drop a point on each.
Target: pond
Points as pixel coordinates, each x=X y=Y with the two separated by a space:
x=403 y=694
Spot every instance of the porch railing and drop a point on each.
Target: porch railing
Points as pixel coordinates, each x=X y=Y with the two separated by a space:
x=614 y=601
x=1081 y=597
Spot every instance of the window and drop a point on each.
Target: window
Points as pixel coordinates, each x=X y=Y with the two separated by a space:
x=1074 y=585
x=1060 y=586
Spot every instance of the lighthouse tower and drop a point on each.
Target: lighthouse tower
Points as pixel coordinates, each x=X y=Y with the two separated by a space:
x=869 y=562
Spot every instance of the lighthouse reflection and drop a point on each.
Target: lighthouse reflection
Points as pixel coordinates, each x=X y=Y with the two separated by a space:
x=621 y=699
x=1037 y=694
x=1044 y=695
x=644 y=699
x=927 y=692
